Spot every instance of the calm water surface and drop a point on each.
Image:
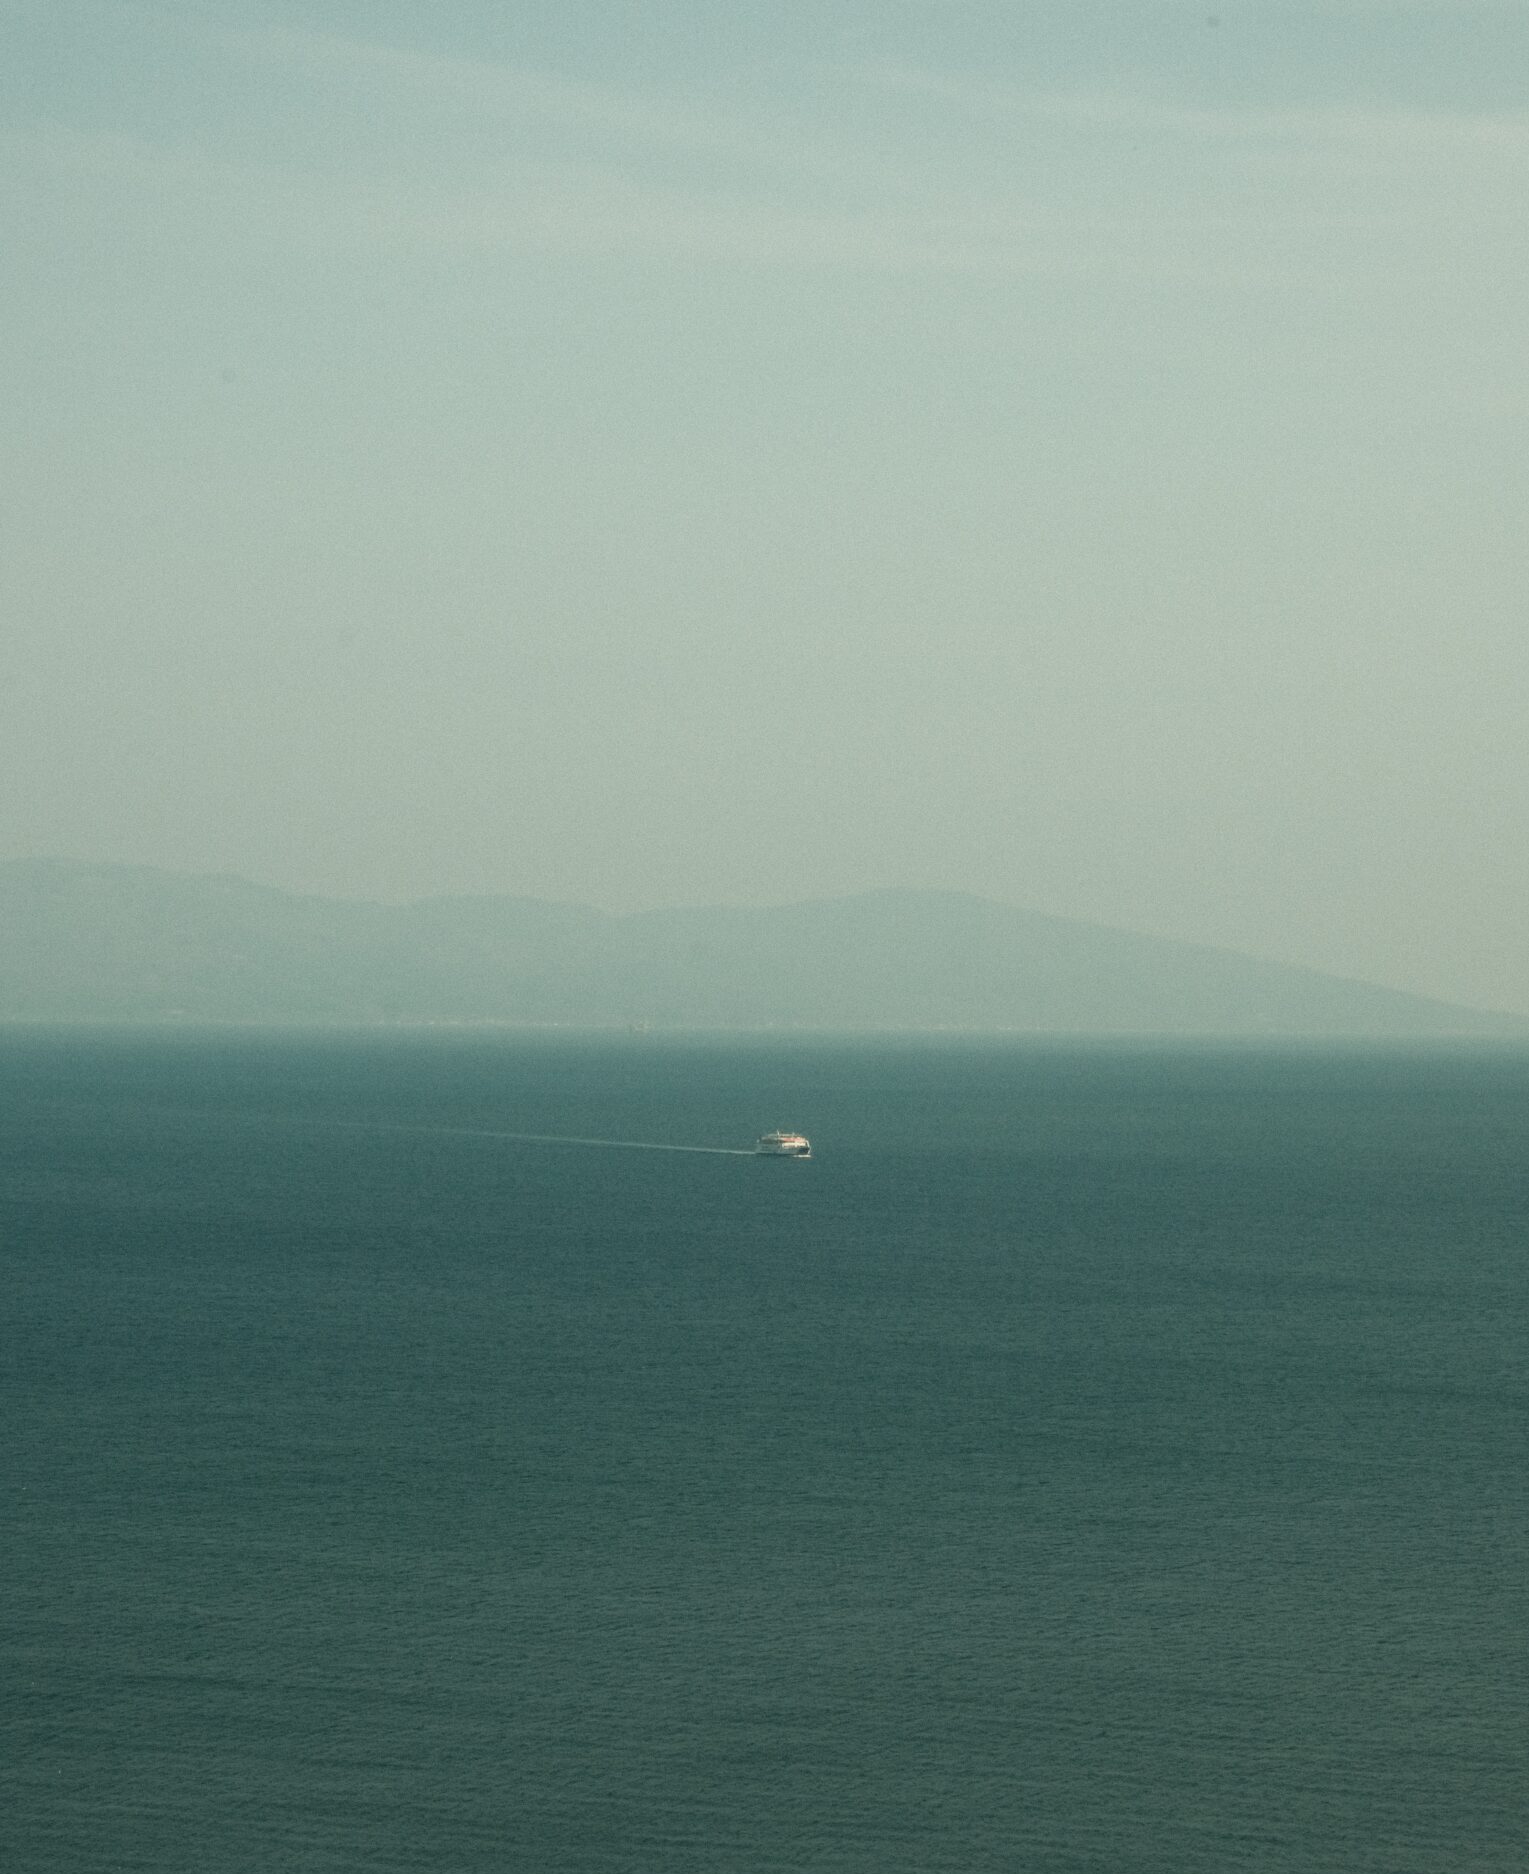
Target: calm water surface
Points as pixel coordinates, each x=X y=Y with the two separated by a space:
x=1101 y=1459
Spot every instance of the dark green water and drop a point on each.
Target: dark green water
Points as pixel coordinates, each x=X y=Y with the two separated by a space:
x=1092 y=1460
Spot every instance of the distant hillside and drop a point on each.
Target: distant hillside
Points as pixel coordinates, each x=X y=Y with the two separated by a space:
x=81 y=942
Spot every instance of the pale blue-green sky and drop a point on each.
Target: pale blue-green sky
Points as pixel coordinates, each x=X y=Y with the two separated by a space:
x=663 y=452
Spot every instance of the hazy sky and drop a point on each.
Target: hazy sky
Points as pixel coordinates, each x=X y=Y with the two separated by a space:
x=664 y=451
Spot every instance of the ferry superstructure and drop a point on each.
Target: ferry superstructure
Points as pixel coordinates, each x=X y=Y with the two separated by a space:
x=783 y=1145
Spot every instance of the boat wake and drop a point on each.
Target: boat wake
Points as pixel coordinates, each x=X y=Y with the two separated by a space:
x=622 y=1145
x=541 y=1138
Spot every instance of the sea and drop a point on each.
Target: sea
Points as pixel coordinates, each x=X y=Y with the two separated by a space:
x=1102 y=1458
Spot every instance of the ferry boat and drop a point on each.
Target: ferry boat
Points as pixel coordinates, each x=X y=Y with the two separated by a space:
x=783 y=1145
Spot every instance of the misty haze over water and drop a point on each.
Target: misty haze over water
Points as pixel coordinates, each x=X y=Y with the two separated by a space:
x=1070 y=455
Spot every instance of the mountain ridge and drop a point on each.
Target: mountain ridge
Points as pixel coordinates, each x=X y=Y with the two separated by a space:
x=134 y=943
